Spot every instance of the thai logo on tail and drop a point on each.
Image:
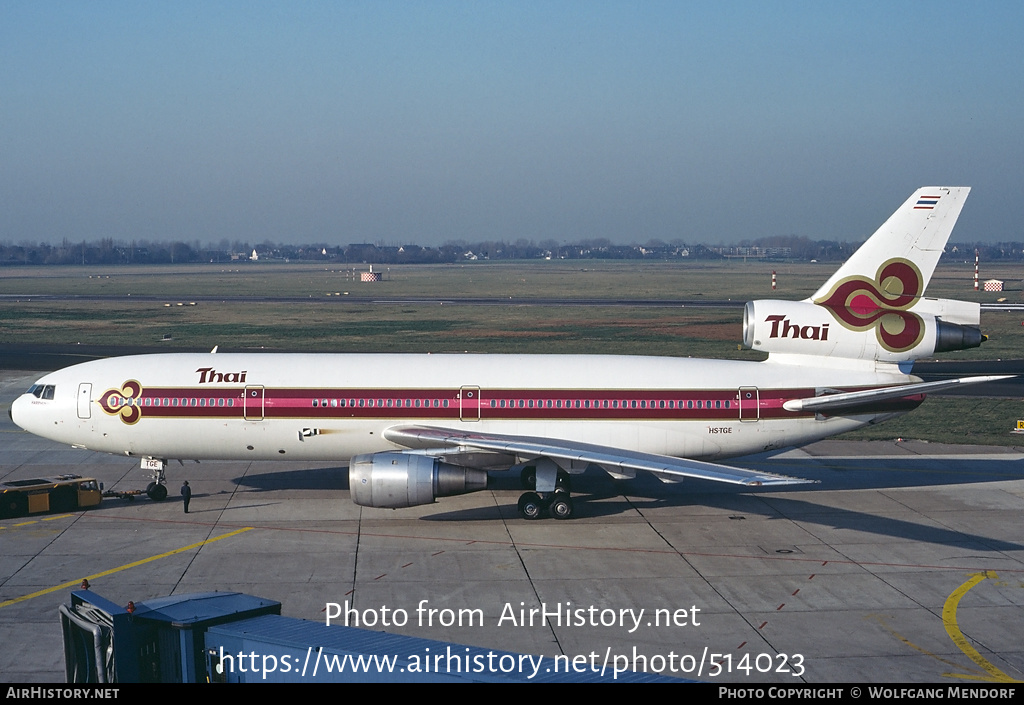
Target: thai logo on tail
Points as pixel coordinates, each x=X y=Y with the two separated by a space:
x=859 y=304
x=123 y=402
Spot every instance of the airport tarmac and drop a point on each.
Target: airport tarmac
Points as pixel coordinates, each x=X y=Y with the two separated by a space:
x=904 y=564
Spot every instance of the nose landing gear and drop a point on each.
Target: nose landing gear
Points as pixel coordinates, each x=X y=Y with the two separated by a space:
x=156 y=490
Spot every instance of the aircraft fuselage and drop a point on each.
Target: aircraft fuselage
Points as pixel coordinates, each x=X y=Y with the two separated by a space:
x=333 y=407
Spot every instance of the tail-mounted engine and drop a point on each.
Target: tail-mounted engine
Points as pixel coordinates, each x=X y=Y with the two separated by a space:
x=395 y=480
x=863 y=330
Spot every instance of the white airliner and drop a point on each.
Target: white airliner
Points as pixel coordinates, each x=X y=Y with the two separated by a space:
x=417 y=427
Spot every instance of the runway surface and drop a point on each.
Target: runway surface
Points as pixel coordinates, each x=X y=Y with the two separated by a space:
x=905 y=564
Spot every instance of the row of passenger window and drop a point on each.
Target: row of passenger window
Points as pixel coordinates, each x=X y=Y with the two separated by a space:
x=535 y=403
x=611 y=403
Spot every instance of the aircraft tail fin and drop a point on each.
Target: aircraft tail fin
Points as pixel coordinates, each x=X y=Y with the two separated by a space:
x=873 y=309
x=916 y=234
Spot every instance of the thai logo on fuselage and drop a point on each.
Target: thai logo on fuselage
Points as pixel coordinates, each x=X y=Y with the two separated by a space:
x=123 y=402
x=859 y=304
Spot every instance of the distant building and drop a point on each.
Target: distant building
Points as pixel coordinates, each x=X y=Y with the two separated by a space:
x=755 y=252
x=993 y=285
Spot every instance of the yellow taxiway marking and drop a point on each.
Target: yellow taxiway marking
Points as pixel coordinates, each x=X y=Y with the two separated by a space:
x=36 y=521
x=953 y=629
x=885 y=625
x=74 y=583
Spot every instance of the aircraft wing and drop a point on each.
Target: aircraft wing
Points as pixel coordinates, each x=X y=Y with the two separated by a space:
x=845 y=400
x=569 y=454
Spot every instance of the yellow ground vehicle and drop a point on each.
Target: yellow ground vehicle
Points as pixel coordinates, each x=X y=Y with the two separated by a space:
x=63 y=493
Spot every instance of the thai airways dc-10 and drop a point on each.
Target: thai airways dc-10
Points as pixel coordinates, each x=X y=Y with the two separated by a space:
x=417 y=427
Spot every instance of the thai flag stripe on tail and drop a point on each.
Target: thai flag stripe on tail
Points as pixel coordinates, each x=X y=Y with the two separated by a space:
x=926 y=203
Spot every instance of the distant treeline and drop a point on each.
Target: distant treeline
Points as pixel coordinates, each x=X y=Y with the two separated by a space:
x=111 y=252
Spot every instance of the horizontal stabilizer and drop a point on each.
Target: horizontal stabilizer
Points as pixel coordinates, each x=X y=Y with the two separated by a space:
x=828 y=402
x=616 y=461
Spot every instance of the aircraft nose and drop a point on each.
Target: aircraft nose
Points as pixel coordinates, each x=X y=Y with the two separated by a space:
x=16 y=406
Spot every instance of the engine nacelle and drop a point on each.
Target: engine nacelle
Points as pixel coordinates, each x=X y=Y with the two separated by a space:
x=395 y=480
x=861 y=333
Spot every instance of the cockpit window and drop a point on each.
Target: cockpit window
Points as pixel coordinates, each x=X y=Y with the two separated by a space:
x=42 y=391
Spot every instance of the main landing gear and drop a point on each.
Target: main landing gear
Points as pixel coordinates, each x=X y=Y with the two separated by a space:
x=552 y=491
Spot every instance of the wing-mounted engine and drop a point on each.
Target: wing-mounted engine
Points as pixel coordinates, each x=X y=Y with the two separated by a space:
x=395 y=479
x=862 y=328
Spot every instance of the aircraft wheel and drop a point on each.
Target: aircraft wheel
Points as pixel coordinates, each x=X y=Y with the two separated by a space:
x=157 y=493
x=561 y=506
x=528 y=478
x=531 y=506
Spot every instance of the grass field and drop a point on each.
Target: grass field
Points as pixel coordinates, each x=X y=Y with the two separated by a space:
x=556 y=278
x=953 y=419
x=323 y=321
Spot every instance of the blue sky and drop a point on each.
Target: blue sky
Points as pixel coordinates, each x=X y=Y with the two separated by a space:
x=424 y=122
